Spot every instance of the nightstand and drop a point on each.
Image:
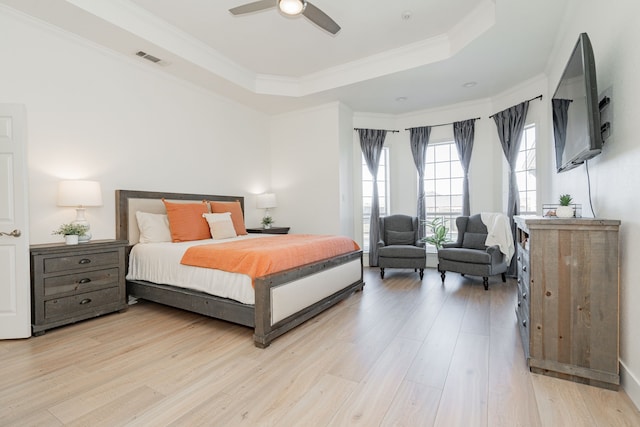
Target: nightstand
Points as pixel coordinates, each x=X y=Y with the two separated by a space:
x=272 y=230
x=70 y=283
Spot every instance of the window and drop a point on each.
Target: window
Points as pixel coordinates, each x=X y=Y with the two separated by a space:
x=367 y=193
x=526 y=170
x=443 y=180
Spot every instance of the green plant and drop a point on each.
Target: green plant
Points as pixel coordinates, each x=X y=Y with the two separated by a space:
x=267 y=221
x=565 y=200
x=439 y=232
x=71 y=229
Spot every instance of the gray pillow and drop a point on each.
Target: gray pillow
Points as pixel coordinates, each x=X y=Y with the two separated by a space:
x=400 y=238
x=474 y=241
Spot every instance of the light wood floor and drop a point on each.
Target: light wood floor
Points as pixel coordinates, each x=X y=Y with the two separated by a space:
x=402 y=352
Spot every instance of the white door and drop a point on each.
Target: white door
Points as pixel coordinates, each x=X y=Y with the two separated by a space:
x=15 y=289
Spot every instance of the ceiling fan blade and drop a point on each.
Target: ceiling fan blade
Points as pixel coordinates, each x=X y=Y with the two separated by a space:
x=253 y=7
x=320 y=18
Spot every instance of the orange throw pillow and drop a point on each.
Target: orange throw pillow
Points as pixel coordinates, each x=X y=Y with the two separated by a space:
x=186 y=222
x=236 y=214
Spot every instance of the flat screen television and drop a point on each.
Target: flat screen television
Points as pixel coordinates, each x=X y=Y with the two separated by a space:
x=576 y=114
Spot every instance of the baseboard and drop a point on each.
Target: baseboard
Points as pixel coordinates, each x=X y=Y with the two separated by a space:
x=630 y=384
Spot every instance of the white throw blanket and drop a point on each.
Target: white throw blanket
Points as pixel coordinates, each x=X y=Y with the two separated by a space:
x=499 y=233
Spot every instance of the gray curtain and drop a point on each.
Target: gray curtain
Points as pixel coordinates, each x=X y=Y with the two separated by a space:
x=419 y=139
x=463 y=136
x=371 y=143
x=510 y=124
x=560 y=109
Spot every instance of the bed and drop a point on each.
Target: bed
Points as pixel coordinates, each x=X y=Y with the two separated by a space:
x=281 y=301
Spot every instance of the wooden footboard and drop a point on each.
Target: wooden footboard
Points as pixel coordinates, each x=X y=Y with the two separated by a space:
x=287 y=299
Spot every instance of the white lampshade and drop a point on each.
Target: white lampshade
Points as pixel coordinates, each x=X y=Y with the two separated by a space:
x=291 y=7
x=79 y=193
x=266 y=201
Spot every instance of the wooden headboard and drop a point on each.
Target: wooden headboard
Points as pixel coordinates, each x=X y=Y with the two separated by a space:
x=128 y=202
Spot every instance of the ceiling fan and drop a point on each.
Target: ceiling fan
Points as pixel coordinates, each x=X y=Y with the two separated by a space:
x=291 y=8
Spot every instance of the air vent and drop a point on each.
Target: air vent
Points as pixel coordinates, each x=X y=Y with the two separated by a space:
x=148 y=57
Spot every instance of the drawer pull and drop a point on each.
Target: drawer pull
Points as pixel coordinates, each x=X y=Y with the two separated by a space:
x=85 y=301
x=524 y=268
x=519 y=258
x=83 y=281
x=519 y=303
x=524 y=295
x=84 y=261
x=524 y=323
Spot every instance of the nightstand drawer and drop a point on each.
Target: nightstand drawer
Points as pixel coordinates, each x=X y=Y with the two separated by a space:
x=86 y=260
x=78 y=304
x=83 y=281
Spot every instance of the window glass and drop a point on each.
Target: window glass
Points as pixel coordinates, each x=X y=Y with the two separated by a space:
x=443 y=184
x=526 y=171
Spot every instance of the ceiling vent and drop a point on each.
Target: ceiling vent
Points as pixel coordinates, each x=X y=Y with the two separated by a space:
x=151 y=58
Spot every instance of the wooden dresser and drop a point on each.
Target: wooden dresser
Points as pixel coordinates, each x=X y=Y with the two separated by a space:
x=568 y=292
x=76 y=282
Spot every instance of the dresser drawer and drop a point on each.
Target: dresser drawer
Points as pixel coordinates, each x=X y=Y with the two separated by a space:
x=83 y=261
x=75 y=305
x=523 y=304
x=82 y=281
x=522 y=313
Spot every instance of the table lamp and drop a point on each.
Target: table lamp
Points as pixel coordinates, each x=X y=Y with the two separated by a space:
x=266 y=201
x=80 y=194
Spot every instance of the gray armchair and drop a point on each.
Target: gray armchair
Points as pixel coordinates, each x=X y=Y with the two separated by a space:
x=399 y=245
x=469 y=255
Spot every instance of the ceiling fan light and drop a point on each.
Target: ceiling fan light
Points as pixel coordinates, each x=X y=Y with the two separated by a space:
x=291 y=7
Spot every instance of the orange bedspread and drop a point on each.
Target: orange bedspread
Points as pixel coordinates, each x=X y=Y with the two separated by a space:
x=263 y=256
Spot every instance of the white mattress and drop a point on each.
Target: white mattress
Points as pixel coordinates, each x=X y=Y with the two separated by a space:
x=160 y=263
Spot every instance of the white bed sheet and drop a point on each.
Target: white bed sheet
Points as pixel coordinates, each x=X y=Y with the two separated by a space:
x=160 y=263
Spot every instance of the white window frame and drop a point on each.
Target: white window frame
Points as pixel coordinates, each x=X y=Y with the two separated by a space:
x=430 y=175
x=524 y=170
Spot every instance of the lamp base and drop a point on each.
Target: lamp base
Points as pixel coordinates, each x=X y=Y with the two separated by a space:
x=81 y=219
x=85 y=237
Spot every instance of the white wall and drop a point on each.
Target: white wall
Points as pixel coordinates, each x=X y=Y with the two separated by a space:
x=92 y=114
x=614 y=30
x=345 y=129
x=306 y=169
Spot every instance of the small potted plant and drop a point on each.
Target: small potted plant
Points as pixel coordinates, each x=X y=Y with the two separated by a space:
x=565 y=210
x=267 y=221
x=71 y=232
x=439 y=232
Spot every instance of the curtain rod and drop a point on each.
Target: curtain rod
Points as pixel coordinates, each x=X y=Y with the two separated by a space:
x=387 y=130
x=445 y=124
x=528 y=100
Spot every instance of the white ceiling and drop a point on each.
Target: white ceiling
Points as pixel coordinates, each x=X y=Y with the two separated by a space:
x=277 y=64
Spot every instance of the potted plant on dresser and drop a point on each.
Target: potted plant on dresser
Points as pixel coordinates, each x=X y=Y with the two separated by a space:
x=565 y=210
x=71 y=232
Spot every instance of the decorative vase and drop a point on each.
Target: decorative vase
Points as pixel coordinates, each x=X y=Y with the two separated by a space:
x=564 y=211
x=267 y=226
x=71 y=239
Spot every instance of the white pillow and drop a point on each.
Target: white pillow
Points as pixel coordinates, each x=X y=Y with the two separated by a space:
x=153 y=227
x=221 y=225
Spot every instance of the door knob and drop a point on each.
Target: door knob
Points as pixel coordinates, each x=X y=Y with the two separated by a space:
x=14 y=233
